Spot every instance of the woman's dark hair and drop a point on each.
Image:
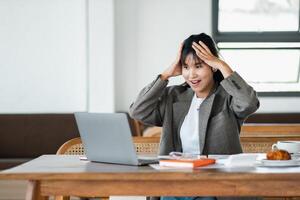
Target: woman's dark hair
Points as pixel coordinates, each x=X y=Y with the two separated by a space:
x=208 y=41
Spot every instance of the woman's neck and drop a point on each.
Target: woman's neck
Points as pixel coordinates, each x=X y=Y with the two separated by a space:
x=207 y=91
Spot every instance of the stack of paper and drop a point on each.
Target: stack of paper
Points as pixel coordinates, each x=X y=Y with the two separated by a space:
x=240 y=160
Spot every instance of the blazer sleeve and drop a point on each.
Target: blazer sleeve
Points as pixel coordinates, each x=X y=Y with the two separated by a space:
x=243 y=98
x=149 y=106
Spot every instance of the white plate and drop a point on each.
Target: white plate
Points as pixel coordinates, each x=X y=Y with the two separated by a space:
x=295 y=155
x=279 y=163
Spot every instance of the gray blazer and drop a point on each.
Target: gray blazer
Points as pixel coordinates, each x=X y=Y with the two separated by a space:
x=221 y=114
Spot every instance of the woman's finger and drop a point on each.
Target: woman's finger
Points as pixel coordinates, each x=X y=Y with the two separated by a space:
x=200 y=48
x=202 y=56
x=205 y=47
x=196 y=49
x=199 y=53
x=180 y=48
x=179 y=52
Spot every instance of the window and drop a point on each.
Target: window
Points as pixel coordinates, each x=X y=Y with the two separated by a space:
x=261 y=39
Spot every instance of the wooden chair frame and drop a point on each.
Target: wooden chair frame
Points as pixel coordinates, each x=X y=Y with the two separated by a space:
x=143 y=145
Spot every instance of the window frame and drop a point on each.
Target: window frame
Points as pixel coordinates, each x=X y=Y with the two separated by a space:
x=275 y=36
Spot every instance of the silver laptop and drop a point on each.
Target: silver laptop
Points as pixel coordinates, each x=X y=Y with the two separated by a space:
x=107 y=137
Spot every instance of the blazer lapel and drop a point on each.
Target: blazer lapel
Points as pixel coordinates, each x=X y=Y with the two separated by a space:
x=180 y=109
x=204 y=114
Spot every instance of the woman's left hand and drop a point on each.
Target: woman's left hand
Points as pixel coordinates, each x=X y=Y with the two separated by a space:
x=205 y=54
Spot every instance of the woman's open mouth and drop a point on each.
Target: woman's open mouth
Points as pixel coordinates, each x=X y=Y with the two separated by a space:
x=195 y=82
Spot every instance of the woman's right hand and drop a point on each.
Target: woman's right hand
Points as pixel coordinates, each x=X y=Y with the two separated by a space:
x=175 y=69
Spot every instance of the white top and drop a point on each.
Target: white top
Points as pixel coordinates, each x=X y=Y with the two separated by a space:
x=189 y=131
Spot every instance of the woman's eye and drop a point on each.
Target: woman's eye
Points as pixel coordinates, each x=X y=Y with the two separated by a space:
x=185 y=67
x=198 y=66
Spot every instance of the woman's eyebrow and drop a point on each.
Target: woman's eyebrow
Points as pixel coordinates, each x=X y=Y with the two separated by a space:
x=199 y=62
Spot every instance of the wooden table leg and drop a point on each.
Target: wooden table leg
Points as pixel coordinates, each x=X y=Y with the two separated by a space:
x=34 y=191
x=62 y=198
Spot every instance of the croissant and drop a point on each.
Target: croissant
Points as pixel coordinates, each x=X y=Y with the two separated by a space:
x=278 y=154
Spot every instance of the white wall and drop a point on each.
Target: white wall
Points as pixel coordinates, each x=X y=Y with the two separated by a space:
x=148 y=34
x=43 y=56
x=56 y=56
x=125 y=52
x=101 y=56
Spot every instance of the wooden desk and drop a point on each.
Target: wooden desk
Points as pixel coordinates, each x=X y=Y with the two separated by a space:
x=66 y=175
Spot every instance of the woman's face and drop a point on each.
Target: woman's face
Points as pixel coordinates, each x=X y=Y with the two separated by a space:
x=198 y=75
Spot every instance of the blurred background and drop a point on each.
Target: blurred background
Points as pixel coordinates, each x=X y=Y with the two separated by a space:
x=58 y=57
x=63 y=56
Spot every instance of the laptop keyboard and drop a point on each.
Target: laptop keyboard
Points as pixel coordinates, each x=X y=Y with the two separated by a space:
x=147 y=161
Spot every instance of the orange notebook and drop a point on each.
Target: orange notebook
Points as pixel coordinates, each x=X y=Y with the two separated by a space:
x=188 y=163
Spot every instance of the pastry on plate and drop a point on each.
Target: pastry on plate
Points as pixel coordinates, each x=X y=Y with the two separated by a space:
x=278 y=154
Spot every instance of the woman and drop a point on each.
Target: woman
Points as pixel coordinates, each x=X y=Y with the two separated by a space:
x=205 y=114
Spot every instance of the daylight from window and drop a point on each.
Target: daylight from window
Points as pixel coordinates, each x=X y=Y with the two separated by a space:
x=266 y=69
x=268 y=66
x=258 y=15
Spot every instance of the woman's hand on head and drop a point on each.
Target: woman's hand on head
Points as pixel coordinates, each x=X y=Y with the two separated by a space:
x=204 y=53
x=175 y=69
